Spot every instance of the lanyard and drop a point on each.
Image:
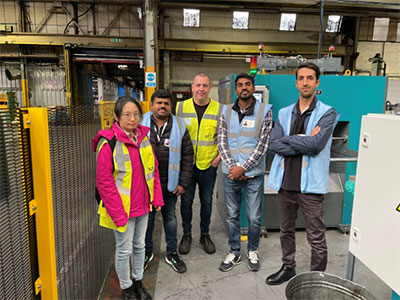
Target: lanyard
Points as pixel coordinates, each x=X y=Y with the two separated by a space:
x=159 y=131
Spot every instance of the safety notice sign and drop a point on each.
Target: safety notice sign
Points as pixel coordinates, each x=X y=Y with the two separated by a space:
x=150 y=79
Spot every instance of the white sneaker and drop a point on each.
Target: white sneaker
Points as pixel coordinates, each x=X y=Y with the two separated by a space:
x=230 y=261
x=254 y=261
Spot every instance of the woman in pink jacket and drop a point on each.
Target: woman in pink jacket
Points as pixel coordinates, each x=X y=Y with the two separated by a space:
x=128 y=183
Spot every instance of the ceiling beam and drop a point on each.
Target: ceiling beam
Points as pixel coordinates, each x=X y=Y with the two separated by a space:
x=247 y=48
x=80 y=40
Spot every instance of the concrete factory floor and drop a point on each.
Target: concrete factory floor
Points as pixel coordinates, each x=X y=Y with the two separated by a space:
x=204 y=280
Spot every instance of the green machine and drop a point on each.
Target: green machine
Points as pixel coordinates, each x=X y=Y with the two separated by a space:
x=353 y=97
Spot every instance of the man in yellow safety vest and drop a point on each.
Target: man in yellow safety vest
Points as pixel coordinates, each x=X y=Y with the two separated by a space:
x=201 y=115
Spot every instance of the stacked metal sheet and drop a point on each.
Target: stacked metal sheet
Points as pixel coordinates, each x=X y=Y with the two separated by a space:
x=18 y=259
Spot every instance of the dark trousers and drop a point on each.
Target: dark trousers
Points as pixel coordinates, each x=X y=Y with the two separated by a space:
x=206 y=180
x=170 y=225
x=312 y=209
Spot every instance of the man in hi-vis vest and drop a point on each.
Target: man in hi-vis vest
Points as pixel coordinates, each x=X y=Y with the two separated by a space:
x=201 y=114
x=174 y=151
x=301 y=140
x=243 y=137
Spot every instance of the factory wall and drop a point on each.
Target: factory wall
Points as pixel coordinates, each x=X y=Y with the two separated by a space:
x=216 y=25
x=59 y=16
x=388 y=50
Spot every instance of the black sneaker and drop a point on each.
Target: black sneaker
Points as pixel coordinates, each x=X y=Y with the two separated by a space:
x=230 y=261
x=254 y=261
x=148 y=257
x=140 y=290
x=176 y=263
x=129 y=293
x=186 y=242
x=207 y=243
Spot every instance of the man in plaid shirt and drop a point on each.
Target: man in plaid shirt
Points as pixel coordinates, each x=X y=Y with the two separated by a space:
x=243 y=137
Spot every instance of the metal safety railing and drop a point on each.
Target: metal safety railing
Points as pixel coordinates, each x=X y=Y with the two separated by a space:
x=50 y=243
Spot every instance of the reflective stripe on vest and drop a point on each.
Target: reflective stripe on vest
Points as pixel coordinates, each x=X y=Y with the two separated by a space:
x=175 y=142
x=204 y=139
x=315 y=169
x=243 y=138
x=123 y=177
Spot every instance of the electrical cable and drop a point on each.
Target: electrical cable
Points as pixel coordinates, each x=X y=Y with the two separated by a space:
x=320 y=28
x=73 y=19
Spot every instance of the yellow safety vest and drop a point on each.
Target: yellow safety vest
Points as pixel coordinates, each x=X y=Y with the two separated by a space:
x=123 y=177
x=204 y=139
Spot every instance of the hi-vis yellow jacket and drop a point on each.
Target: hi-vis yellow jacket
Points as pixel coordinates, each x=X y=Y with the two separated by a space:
x=204 y=138
x=127 y=187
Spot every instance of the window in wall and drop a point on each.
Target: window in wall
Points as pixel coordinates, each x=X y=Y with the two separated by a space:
x=288 y=22
x=381 y=29
x=398 y=32
x=240 y=20
x=191 y=17
x=334 y=23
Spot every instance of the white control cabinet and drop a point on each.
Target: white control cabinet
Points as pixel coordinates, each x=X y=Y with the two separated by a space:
x=375 y=227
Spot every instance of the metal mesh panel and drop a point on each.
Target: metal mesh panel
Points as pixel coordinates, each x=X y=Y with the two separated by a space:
x=18 y=267
x=84 y=250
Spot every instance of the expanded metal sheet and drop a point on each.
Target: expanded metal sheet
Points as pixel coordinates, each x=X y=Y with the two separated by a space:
x=84 y=250
x=46 y=85
x=16 y=272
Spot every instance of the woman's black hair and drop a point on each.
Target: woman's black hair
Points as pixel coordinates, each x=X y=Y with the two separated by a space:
x=119 y=105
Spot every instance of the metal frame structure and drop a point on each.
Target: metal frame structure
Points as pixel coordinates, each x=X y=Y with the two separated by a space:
x=40 y=149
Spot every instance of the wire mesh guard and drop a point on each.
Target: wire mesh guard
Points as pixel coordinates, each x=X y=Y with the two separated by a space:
x=18 y=257
x=84 y=250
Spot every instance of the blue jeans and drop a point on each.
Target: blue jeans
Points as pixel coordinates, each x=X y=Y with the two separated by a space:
x=206 y=181
x=254 y=192
x=130 y=245
x=170 y=225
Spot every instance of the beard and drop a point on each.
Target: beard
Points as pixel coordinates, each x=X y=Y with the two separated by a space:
x=307 y=95
x=162 y=116
x=246 y=98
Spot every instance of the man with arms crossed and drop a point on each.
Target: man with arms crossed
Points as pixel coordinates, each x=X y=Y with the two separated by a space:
x=301 y=140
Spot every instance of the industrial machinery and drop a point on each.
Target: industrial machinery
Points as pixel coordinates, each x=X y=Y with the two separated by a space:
x=375 y=228
x=8 y=102
x=353 y=97
x=265 y=63
x=271 y=63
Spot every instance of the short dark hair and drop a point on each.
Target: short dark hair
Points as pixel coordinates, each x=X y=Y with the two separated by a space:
x=161 y=94
x=119 y=105
x=244 y=75
x=312 y=66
